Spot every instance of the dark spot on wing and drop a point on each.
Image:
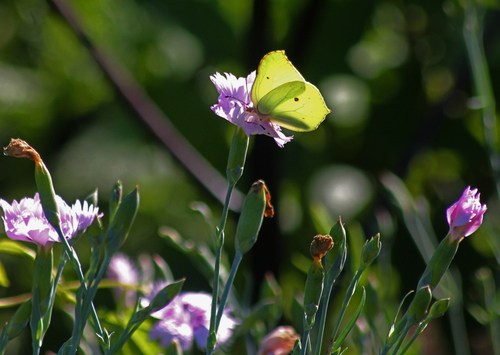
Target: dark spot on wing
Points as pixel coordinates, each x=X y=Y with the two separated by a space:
x=267 y=78
x=296 y=99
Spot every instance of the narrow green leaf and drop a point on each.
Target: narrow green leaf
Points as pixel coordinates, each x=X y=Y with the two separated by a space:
x=15 y=248
x=351 y=323
x=4 y=280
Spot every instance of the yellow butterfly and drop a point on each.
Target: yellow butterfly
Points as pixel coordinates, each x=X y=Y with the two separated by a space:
x=281 y=95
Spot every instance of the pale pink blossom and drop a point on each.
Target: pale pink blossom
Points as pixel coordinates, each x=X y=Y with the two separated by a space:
x=187 y=319
x=466 y=215
x=26 y=221
x=235 y=105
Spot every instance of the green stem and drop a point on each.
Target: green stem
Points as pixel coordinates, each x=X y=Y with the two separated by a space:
x=473 y=36
x=305 y=339
x=219 y=243
x=227 y=288
x=70 y=252
x=325 y=299
x=347 y=299
x=401 y=339
x=86 y=305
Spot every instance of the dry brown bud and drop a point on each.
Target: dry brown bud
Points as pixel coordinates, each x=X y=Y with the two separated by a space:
x=269 y=212
x=320 y=245
x=18 y=148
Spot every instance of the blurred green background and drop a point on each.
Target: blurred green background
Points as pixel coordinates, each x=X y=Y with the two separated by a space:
x=395 y=74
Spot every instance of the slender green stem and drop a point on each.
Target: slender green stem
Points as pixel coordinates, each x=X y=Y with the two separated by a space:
x=473 y=35
x=219 y=243
x=325 y=299
x=410 y=342
x=85 y=305
x=305 y=340
x=3 y=341
x=78 y=268
x=347 y=299
x=227 y=288
x=401 y=339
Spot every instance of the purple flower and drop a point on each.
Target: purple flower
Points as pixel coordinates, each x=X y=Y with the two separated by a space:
x=187 y=318
x=122 y=269
x=466 y=215
x=26 y=220
x=235 y=105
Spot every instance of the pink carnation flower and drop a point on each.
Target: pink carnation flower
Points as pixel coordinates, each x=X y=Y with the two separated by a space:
x=466 y=215
x=187 y=319
x=26 y=220
x=235 y=105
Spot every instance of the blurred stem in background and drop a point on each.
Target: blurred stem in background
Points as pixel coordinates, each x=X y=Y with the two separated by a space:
x=473 y=35
x=137 y=98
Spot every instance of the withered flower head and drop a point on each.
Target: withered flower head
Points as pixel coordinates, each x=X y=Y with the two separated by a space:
x=269 y=212
x=320 y=245
x=18 y=148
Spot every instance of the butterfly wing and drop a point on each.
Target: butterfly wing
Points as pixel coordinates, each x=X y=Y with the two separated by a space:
x=302 y=113
x=279 y=96
x=274 y=70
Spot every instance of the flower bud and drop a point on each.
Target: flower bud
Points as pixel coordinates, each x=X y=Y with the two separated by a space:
x=252 y=214
x=20 y=149
x=19 y=320
x=370 y=250
x=439 y=308
x=280 y=341
x=320 y=246
x=418 y=307
x=165 y=296
x=237 y=156
x=115 y=199
x=338 y=236
x=120 y=226
x=439 y=263
x=466 y=215
x=315 y=276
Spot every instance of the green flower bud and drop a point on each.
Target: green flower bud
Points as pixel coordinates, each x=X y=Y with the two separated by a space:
x=19 y=321
x=115 y=200
x=439 y=308
x=120 y=226
x=165 y=296
x=418 y=307
x=237 y=156
x=20 y=149
x=211 y=340
x=339 y=238
x=315 y=276
x=252 y=214
x=439 y=263
x=370 y=251
x=47 y=193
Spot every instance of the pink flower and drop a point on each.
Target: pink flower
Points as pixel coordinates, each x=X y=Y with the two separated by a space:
x=235 y=105
x=122 y=269
x=187 y=319
x=279 y=342
x=26 y=221
x=466 y=215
